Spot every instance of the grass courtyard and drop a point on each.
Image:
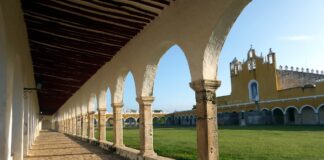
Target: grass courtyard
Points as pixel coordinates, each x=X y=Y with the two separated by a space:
x=243 y=143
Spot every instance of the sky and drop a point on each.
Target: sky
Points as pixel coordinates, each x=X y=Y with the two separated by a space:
x=294 y=29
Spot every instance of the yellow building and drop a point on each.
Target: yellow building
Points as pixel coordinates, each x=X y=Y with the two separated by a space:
x=293 y=95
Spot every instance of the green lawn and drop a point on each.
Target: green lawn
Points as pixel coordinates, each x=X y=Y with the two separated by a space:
x=243 y=143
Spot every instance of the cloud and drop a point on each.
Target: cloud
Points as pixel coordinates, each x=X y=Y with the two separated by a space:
x=296 y=38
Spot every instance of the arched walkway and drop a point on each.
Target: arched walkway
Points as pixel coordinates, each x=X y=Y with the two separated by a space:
x=169 y=121
x=278 y=116
x=162 y=121
x=308 y=115
x=321 y=114
x=291 y=115
x=110 y=122
x=156 y=121
x=130 y=122
x=46 y=124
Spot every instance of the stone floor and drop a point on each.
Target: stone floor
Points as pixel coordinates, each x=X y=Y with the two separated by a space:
x=57 y=146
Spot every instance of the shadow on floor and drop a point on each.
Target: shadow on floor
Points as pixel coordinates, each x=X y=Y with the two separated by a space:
x=53 y=145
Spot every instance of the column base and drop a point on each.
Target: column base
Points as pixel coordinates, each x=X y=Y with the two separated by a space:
x=148 y=154
x=119 y=145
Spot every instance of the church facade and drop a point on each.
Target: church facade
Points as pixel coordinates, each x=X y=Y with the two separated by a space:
x=263 y=94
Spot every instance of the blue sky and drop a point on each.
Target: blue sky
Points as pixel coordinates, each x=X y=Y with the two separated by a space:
x=294 y=29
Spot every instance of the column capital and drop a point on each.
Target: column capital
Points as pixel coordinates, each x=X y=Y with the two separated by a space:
x=117 y=105
x=102 y=109
x=146 y=100
x=91 y=112
x=205 y=85
x=205 y=90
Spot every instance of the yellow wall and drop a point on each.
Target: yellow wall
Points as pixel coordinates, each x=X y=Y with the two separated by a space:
x=268 y=85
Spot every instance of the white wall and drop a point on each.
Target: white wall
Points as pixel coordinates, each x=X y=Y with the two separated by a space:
x=16 y=106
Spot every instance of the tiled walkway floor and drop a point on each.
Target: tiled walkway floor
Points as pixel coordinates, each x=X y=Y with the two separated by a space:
x=54 y=145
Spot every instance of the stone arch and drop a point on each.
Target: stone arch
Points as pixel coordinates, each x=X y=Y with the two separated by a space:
x=203 y=56
x=301 y=108
x=320 y=111
x=109 y=97
x=278 y=116
x=179 y=121
x=145 y=73
x=92 y=102
x=169 y=120
x=235 y=118
x=85 y=103
x=283 y=111
x=294 y=107
x=110 y=122
x=188 y=120
x=291 y=115
x=130 y=122
x=156 y=121
x=162 y=120
x=183 y=119
x=102 y=98
x=138 y=120
x=308 y=114
x=191 y=120
x=265 y=109
x=119 y=84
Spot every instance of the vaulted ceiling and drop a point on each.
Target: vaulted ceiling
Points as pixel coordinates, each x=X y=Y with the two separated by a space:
x=71 y=39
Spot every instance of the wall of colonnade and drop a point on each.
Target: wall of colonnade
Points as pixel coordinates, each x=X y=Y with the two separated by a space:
x=200 y=29
x=19 y=111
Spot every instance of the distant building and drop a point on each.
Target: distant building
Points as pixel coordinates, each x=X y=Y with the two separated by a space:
x=131 y=118
x=263 y=94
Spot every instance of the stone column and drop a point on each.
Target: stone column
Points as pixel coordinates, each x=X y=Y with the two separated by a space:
x=79 y=126
x=74 y=127
x=91 y=124
x=317 y=119
x=286 y=121
x=102 y=124
x=85 y=126
x=26 y=124
x=60 y=126
x=299 y=118
x=65 y=126
x=242 y=119
x=118 y=124
x=206 y=111
x=71 y=126
x=146 y=126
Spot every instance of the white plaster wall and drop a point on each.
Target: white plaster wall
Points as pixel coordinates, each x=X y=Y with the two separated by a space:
x=16 y=72
x=6 y=70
